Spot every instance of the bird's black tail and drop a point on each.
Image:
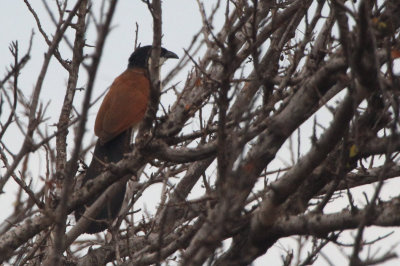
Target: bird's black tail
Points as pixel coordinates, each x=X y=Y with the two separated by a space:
x=110 y=152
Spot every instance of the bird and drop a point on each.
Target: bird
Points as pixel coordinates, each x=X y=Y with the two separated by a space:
x=122 y=110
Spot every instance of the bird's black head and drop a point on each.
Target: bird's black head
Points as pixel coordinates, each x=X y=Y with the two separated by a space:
x=140 y=57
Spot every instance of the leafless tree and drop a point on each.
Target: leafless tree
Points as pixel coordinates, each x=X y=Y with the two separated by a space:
x=256 y=87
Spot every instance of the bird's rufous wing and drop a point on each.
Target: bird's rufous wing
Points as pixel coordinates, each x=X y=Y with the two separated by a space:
x=124 y=106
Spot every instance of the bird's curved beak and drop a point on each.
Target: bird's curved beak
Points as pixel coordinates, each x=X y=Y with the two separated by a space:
x=170 y=54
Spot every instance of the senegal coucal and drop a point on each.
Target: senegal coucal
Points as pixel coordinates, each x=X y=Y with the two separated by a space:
x=122 y=110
